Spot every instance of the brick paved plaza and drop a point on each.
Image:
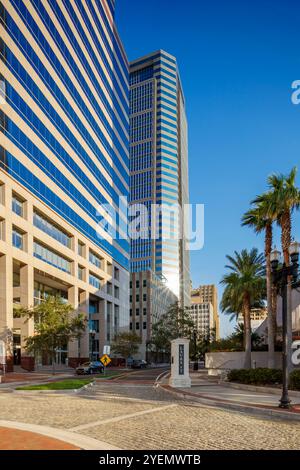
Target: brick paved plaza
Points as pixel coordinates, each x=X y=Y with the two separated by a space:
x=132 y=414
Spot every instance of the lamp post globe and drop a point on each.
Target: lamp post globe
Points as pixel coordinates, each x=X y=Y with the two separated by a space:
x=294 y=250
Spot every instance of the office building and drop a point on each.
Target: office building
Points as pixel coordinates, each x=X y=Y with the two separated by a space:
x=208 y=294
x=63 y=153
x=149 y=299
x=159 y=169
x=202 y=315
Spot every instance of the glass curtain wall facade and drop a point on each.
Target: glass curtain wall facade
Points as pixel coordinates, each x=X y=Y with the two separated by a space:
x=159 y=167
x=64 y=125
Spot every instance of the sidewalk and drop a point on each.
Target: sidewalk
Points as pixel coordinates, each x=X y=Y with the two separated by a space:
x=209 y=391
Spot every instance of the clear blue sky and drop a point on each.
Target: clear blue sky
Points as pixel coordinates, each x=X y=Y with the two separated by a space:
x=237 y=61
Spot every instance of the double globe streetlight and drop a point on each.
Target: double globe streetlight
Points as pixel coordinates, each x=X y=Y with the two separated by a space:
x=282 y=276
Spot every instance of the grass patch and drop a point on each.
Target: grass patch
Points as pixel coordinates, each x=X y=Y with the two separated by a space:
x=67 y=384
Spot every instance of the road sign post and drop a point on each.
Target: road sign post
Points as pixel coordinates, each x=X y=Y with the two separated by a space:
x=2 y=356
x=106 y=360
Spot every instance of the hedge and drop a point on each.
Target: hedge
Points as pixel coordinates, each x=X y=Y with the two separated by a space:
x=263 y=376
x=259 y=376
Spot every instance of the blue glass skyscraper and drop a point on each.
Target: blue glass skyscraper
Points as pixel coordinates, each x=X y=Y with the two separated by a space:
x=159 y=166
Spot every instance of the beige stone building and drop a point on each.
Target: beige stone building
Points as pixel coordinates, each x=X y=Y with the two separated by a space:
x=257 y=316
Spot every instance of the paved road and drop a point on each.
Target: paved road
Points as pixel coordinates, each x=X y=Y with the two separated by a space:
x=132 y=414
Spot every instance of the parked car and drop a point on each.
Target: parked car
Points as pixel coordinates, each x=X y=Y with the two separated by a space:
x=95 y=367
x=139 y=364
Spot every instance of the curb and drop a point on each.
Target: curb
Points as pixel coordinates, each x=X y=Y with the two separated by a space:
x=254 y=410
x=78 y=440
x=258 y=388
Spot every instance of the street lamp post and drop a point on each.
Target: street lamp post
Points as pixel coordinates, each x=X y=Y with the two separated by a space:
x=93 y=335
x=283 y=276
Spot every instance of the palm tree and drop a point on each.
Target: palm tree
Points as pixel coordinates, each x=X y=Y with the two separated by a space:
x=284 y=198
x=260 y=219
x=244 y=287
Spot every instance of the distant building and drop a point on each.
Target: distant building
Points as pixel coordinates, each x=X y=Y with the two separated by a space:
x=258 y=316
x=208 y=294
x=203 y=316
x=149 y=299
x=295 y=313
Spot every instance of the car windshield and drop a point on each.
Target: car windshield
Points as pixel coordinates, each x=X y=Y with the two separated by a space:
x=85 y=364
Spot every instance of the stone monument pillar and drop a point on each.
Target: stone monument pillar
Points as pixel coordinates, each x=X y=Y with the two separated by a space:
x=180 y=376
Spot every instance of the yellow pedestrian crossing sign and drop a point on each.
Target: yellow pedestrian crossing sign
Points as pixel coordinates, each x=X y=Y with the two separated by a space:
x=105 y=359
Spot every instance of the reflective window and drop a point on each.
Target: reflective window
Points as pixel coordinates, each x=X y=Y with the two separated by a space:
x=51 y=257
x=17 y=239
x=94 y=325
x=80 y=273
x=80 y=249
x=116 y=273
x=116 y=292
x=109 y=288
x=44 y=224
x=95 y=259
x=95 y=281
x=17 y=205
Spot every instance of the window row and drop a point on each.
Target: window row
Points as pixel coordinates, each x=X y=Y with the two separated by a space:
x=136 y=326
x=137 y=283
x=137 y=298
x=141 y=75
x=137 y=312
x=52 y=229
x=51 y=257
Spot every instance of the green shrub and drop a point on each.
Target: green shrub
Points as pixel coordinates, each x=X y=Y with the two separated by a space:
x=259 y=376
x=295 y=380
x=263 y=376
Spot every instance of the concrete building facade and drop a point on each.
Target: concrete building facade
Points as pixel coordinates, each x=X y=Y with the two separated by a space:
x=202 y=315
x=149 y=299
x=63 y=155
x=208 y=294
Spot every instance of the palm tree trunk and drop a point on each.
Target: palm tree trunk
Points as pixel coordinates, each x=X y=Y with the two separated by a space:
x=286 y=229
x=247 y=323
x=285 y=224
x=268 y=248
